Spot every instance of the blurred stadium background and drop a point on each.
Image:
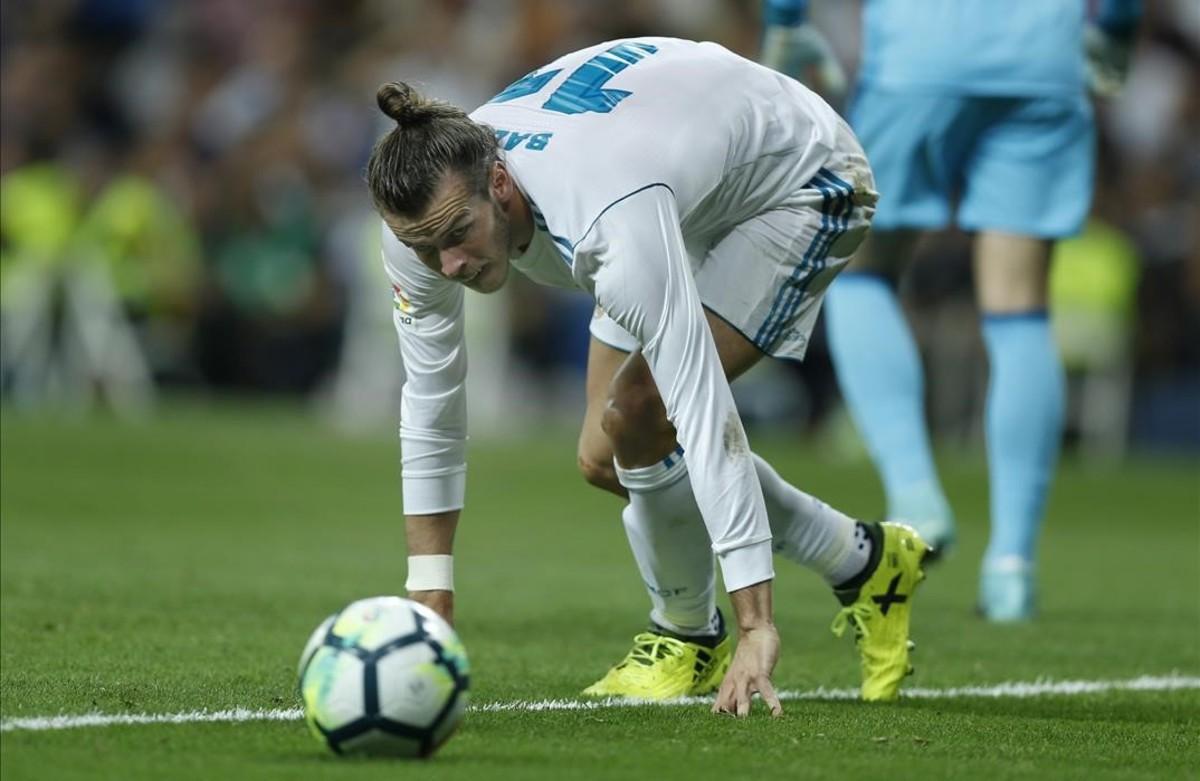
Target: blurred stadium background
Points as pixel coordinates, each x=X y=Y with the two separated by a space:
x=184 y=224
x=184 y=211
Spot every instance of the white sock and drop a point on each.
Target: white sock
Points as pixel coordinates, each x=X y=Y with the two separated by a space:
x=810 y=532
x=671 y=546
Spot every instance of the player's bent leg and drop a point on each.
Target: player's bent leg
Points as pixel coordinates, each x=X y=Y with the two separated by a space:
x=870 y=566
x=880 y=374
x=873 y=568
x=662 y=521
x=1023 y=415
x=806 y=531
x=686 y=650
x=809 y=532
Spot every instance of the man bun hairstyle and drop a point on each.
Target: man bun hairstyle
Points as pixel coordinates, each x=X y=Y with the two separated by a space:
x=430 y=138
x=408 y=107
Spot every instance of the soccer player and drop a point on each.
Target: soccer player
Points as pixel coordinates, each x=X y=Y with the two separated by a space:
x=984 y=101
x=705 y=202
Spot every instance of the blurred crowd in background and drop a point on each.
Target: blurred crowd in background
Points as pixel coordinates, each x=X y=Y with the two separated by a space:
x=183 y=207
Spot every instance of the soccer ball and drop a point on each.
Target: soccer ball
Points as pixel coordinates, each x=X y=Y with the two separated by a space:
x=384 y=676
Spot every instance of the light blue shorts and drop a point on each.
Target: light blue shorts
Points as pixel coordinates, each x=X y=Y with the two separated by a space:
x=1019 y=165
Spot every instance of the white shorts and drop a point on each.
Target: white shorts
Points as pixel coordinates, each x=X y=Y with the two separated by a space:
x=768 y=275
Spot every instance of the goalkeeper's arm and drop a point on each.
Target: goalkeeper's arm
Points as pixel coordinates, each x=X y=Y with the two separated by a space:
x=794 y=47
x=1108 y=44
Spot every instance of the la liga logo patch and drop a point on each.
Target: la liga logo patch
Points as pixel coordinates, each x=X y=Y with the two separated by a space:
x=400 y=300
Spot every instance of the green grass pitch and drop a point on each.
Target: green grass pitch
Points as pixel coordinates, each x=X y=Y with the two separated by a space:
x=180 y=565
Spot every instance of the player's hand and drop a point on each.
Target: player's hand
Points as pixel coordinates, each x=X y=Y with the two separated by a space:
x=802 y=52
x=440 y=602
x=1108 y=55
x=753 y=661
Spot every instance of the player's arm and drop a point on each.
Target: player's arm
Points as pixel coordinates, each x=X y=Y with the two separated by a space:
x=633 y=259
x=1108 y=44
x=431 y=560
x=428 y=316
x=796 y=48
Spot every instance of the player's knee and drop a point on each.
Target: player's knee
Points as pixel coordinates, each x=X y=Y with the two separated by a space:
x=614 y=423
x=634 y=418
x=635 y=421
x=599 y=472
x=633 y=396
x=631 y=410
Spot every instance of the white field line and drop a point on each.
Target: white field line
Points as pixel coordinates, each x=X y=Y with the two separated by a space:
x=1008 y=690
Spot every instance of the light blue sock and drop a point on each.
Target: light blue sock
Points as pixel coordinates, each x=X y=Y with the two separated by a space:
x=879 y=371
x=1023 y=425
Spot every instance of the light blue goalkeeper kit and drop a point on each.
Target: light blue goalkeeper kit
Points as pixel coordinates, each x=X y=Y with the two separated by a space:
x=980 y=98
x=967 y=46
x=973 y=112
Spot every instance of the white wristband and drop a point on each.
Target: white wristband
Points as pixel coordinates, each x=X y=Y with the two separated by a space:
x=430 y=573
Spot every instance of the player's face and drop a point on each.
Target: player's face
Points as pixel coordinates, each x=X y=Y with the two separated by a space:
x=462 y=235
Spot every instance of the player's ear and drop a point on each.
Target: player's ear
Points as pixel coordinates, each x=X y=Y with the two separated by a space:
x=500 y=183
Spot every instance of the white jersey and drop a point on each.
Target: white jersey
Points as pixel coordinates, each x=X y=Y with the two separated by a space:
x=629 y=153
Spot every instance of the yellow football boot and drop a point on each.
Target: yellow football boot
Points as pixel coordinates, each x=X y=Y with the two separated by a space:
x=878 y=606
x=662 y=667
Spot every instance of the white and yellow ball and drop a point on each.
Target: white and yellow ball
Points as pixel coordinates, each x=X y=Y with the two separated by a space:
x=384 y=676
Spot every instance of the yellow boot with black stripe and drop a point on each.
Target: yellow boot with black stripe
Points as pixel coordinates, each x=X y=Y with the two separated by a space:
x=663 y=666
x=878 y=603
